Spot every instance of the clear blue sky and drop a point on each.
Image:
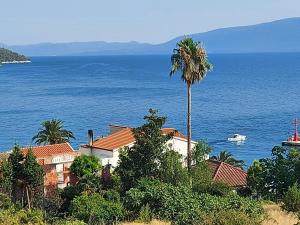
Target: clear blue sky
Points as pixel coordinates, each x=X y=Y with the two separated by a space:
x=152 y=21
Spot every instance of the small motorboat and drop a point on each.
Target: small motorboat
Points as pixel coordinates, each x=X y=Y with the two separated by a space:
x=294 y=140
x=237 y=138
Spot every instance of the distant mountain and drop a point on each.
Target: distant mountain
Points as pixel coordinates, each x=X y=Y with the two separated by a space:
x=278 y=36
x=9 y=56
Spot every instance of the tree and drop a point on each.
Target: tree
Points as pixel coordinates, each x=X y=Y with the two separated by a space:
x=33 y=179
x=291 y=199
x=27 y=177
x=16 y=160
x=53 y=132
x=85 y=166
x=271 y=177
x=171 y=168
x=6 y=178
x=200 y=152
x=94 y=209
x=191 y=60
x=143 y=158
x=227 y=157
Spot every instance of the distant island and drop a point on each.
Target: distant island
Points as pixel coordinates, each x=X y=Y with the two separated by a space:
x=277 y=36
x=8 y=57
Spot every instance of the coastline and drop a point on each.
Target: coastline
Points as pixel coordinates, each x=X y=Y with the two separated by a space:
x=16 y=62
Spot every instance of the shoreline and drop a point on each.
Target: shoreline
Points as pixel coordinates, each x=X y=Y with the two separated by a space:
x=16 y=62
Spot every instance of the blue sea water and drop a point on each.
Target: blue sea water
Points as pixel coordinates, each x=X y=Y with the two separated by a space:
x=252 y=94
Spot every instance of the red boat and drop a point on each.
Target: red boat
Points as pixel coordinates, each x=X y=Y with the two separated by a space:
x=293 y=140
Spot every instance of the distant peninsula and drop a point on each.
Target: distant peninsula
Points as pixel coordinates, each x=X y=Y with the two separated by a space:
x=8 y=57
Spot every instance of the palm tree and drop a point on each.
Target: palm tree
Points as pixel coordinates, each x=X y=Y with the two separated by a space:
x=227 y=157
x=52 y=132
x=190 y=59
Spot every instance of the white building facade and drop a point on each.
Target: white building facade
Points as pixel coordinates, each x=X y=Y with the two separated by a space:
x=107 y=148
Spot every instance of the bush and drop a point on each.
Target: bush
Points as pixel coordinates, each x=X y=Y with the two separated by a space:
x=112 y=196
x=25 y=217
x=291 y=199
x=181 y=205
x=228 y=217
x=145 y=215
x=5 y=201
x=70 y=221
x=220 y=189
x=94 y=209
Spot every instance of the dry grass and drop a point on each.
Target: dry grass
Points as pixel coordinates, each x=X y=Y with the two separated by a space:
x=154 y=222
x=276 y=216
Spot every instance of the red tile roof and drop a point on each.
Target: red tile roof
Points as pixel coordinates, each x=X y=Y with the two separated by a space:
x=228 y=174
x=49 y=150
x=124 y=136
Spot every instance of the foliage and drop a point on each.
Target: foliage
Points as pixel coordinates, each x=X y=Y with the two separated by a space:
x=228 y=217
x=201 y=176
x=200 y=152
x=227 y=157
x=271 y=177
x=145 y=214
x=181 y=205
x=68 y=194
x=85 y=166
x=26 y=217
x=26 y=176
x=33 y=179
x=112 y=196
x=94 y=209
x=9 y=56
x=291 y=199
x=5 y=201
x=142 y=159
x=70 y=221
x=172 y=170
x=6 y=178
x=53 y=132
x=52 y=205
x=219 y=189
x=190 y=58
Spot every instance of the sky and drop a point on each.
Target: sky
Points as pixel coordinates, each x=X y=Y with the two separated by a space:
x=150 y=21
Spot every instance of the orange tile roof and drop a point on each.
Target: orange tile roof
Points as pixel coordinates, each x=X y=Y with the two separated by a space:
x=224 y=172
x=49 y=150
x=124 y=137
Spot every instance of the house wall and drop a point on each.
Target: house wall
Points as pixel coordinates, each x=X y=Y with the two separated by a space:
x=104 y=156
x=112 y=157
x=57 y=171
x=180 y=145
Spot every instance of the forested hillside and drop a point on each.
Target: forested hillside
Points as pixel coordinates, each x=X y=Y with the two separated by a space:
x=9 y=56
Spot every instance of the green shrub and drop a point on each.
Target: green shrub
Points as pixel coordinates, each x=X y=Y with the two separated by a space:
x=220 y=189
x=70 y=221
x=5 y=201
x=112 y=196
x=145 y=215
x=94 y=209
x=25 y=217
x=291 y=199
x=181 y=205
x=228 y=217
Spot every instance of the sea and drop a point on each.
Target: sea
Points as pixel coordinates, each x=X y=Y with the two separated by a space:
x=256 y=95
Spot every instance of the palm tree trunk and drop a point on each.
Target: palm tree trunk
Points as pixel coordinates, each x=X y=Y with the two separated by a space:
x=189 y=130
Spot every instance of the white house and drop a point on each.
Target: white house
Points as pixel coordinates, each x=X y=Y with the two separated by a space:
x=107 y=148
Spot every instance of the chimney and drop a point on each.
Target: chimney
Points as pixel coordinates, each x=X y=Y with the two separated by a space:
x=90 y=137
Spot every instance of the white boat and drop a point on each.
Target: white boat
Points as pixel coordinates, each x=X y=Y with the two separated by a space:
x=237 y=138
